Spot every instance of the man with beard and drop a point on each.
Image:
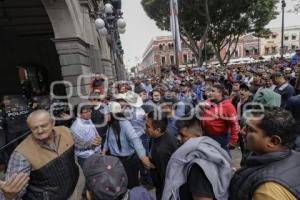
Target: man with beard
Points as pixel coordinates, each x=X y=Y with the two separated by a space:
x=270 y=173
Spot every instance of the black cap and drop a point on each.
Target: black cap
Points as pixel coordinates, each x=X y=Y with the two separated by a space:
x=277 y=74
x=171 y=100
x=105 y=177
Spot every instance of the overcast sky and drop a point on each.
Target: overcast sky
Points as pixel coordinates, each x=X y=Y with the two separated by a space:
x=141 y=29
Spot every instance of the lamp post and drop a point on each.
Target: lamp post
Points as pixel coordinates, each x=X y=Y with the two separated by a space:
x=110 y=22
x=283 y=5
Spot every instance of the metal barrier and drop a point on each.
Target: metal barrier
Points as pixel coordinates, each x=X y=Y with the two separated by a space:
x=14 y=140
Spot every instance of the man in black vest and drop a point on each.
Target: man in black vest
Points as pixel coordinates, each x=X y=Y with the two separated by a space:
x=47 y=157
x=272 y=171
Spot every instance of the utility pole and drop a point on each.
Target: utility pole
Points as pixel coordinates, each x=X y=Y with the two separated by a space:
x=283 y=5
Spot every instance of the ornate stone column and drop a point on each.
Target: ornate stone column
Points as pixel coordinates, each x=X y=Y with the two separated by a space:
x=75 y=66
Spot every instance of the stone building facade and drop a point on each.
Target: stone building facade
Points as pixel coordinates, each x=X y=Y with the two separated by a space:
x=160 y=53
x=271 y=44
x=54 y=40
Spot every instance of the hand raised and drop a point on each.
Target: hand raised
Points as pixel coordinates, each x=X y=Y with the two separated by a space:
x=13 y=185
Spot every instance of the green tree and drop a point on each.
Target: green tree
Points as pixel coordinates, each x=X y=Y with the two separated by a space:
x=193 y=23
x=234 y=18
x=296 y=7
x=219 y=22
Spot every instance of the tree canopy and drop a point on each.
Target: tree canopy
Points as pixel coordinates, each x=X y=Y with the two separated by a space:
x=218 y=22
x=296 y=8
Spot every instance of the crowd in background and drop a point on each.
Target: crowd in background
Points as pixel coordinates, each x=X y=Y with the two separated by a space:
x=173 y=132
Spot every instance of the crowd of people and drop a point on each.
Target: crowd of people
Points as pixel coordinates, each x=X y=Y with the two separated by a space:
x=175 y=133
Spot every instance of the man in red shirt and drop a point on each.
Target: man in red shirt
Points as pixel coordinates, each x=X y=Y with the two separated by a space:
x=219 y=119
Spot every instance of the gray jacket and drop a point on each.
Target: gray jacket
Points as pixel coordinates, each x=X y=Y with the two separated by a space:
x=210 y=156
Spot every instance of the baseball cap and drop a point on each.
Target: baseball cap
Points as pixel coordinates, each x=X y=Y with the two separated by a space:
x=168 y=99
x=105 y=177
x=277 y=74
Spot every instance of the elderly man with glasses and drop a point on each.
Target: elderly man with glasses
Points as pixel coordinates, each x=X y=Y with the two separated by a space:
x=43 y=165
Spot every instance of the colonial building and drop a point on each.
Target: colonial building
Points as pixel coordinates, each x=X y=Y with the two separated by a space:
x=160 y=53
x=271 y=44
x=251 y=46
x=247 y=46
x=42 y=41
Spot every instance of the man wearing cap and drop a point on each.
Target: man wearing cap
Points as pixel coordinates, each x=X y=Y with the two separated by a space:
x=283 y=87
x=132 y=103
x=296 y=58
x=143 y=94
x=123 y=142
x=137 y=116
x=106 y=179
x=268 y=83
x=290 y=76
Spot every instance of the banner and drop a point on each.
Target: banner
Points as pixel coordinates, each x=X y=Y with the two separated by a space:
x=175 y=24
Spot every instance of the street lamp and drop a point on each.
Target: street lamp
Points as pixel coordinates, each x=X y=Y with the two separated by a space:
x=110 y=21
x=283 y=5
x=108 y=8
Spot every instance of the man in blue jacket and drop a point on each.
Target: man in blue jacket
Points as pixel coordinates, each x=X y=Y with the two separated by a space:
x=296 y=57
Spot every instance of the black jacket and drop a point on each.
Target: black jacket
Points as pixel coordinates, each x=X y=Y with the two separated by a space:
x=280 y=167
